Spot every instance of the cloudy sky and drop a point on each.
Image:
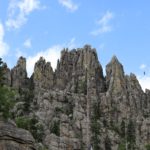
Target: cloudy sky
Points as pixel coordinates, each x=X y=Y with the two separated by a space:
x=35 y=28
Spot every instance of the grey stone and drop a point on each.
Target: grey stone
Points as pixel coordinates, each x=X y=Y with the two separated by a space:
x=78 y=106
x=12 y=138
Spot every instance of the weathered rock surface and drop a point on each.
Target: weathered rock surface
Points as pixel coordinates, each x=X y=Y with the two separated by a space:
x=19 y=74
x=79 y=107
x=73 y=68
x=7 y=75
x=13 y=138
x=43 y=74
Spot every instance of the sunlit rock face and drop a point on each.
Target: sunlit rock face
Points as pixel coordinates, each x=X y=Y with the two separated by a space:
x=79 y=107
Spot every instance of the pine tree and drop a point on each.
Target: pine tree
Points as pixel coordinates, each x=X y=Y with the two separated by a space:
x=1 y=72
x=122 y=129
x=6 y=95
x=107 y=143
x=131 y=135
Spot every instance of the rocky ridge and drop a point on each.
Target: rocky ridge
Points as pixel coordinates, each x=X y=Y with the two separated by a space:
x=78 y=107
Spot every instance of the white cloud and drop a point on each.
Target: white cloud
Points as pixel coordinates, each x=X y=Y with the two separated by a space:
x=106 y=18
x=3 y=46
x=1 y=32
x=103 y=24
x=27 y=6
x=19 y=10
x=144 y=82
x=69 y=4
x=142 y=66
x=27 y=43
x=51 y=54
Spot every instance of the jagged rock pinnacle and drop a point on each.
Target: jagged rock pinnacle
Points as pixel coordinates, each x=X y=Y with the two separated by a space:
x=22 y=63
x=73 y=65
x=114 y=59
x=43 y=74
x=19 y=74
x=115 y=79
x=76 y=106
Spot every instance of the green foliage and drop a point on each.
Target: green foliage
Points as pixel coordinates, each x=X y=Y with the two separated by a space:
x=1 y=72
x=122 y=146
x=82 y=86
x=95 y=126
x=147 y=147
x=122 y=129
x=32 y=125
x=96 y=111
x=6 y=101
x=131 y=135
x=127 y=134
x=6 y=95
x=55 y=127
x=107 y=143
x=23 y=122
x=26 y=97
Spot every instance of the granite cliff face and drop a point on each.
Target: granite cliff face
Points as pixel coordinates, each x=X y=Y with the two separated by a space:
x=78 y=107
x=13 y=138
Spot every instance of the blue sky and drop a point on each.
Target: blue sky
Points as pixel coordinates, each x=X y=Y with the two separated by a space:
x=44 y=27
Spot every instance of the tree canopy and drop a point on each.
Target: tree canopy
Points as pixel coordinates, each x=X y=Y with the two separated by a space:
x=6 y=95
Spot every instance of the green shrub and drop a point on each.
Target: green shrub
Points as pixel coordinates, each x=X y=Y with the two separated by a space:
x=7 y=101
x=122 y=146
x=32 y=125
x=131 y=135
x=147 y=147
x=26 y=97
x=23 y=122
x=95 y=126
x=55 y=128
x=1 y=72
x=6 y=94
x=107 y=143
x=131 y=132
x=122 y=129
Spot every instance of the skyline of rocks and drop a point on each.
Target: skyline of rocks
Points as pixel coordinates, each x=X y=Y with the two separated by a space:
x=78 y=106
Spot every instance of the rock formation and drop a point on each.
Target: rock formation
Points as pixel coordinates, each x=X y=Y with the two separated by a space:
x=13 y=138
x=43 y=75
x=78 y=107
x=19 y=74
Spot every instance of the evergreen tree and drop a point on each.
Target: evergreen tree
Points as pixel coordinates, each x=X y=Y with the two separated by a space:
x=1 y=72
x=122 y=129
x=131 y=135
x=95 y=126
x=6 y=95
x=107 y=143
